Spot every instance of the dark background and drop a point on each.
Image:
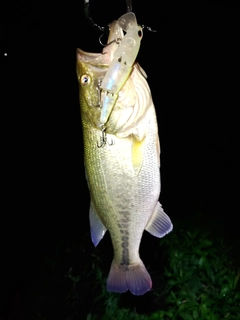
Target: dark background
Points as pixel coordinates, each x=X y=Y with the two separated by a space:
x=192 y=63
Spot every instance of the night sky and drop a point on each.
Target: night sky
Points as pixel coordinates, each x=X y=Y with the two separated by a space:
x=192 y=63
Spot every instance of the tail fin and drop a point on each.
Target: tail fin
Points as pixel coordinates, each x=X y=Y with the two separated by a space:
x=129 y=277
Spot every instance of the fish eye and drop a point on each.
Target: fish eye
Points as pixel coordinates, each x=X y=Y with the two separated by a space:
x=140 y=33
x=85 y=79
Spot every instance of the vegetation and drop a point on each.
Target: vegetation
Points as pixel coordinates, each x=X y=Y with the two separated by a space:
x=194 y=279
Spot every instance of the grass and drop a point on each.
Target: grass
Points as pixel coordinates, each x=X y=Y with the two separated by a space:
x=195 y=273
x=193 y=279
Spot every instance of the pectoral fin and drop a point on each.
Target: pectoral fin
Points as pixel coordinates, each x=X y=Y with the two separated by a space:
x=137 y=155
x=159 y=224
x=97 y=228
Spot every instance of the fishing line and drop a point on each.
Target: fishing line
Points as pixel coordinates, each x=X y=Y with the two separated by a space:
x=87 y=14
x=129 y=5
x=94 y=24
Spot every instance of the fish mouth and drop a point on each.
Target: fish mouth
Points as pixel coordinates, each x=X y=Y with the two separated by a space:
x=103 y=59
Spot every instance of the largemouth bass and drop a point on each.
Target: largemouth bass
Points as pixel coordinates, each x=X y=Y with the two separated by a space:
x=122 y=166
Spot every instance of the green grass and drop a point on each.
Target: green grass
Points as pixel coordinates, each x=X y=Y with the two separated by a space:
x=194 y=278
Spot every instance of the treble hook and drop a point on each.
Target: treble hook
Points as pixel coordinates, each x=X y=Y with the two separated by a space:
x=103 y=139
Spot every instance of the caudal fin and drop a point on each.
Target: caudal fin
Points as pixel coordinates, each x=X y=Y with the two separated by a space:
x=129 y=277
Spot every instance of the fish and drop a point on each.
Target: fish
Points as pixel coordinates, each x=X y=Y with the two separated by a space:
x=123 y=171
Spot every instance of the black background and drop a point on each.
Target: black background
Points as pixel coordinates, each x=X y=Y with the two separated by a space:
x=192 y=63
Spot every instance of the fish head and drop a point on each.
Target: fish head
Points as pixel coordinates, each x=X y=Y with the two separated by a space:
x=133 y=99
x=91 y=69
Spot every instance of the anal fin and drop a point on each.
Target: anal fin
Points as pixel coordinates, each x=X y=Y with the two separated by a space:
x=159 y=224
x=97 y=227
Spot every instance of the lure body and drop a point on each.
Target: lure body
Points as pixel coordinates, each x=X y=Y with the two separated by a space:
x=121 y=65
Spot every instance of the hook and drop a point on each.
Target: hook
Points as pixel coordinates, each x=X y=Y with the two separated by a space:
x=117 y=40
x=103 y=138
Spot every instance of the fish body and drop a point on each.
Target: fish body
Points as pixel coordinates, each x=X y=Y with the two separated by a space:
x=123 y=175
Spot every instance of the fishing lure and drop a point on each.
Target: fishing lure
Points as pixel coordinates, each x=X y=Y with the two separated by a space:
x=121 y=65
